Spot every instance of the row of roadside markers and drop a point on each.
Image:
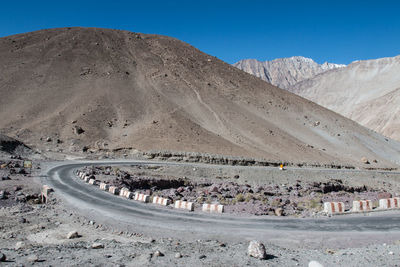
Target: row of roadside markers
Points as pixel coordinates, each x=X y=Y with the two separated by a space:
x=362 y=205
x=124 y=192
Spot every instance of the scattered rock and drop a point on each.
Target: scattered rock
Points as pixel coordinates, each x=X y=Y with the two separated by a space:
x=315 y=264
x=22 y=220
x=178 y=255
x=17 y=188
x=202 y=257
x=48 y=139
x=97 y=245
x=22 y=171
x=20 y=245
x=257 y=250
x=279 y=212
x=78 y=130
x=330 y=251
x=3 y=195
x=391 y=252
x=364 y=160
x=158 y=254
x=73 y=234
x=33 y=258
x=20 y=198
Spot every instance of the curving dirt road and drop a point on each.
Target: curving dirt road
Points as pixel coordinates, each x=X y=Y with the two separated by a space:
x=125 y=213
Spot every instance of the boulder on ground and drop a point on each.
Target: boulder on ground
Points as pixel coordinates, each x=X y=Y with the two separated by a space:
x=3 y=195
x=158 y=253
x=20 y=245
x=257 y=250
x=78 y=130
x=33 y=258
x=279 y=212
x=97 y=245
x=364 y=160
x=315 y=264
x=72 y=234
x=2 y=257
x=178 y=255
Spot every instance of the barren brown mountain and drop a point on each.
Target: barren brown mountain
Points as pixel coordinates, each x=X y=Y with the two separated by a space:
x=110 y=89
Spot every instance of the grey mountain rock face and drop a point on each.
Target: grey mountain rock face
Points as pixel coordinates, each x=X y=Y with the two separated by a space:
x=367 y=91
x=285 y=72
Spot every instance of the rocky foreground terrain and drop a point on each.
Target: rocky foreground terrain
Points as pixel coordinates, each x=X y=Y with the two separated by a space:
x=54 y=234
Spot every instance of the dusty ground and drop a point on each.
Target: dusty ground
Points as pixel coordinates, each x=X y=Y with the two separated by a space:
x=43 y=229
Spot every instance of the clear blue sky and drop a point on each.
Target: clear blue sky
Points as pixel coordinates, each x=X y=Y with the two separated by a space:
x=335 y=31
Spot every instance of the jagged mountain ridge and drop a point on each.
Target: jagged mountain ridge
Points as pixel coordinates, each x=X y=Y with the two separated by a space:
x=285 y=72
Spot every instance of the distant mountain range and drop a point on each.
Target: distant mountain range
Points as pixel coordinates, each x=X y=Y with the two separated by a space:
x=285 y=72
x=365 y=91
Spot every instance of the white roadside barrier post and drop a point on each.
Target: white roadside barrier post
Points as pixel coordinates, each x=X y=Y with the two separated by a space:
x=389 y=203
x=362 y=205
x=92 y=182
x=46 y=190
x=333 y=207
x=213 y=208
x=104 y=186
x=123 y=191
x=161 y=201
x=126 y=193
x=114 y=190
x=142 y=197
x=179 y=204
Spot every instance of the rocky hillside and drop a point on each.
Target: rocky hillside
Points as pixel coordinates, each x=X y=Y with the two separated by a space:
x=11 y=145
x=365 y=91
x=90 y=89
x=285 y=72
